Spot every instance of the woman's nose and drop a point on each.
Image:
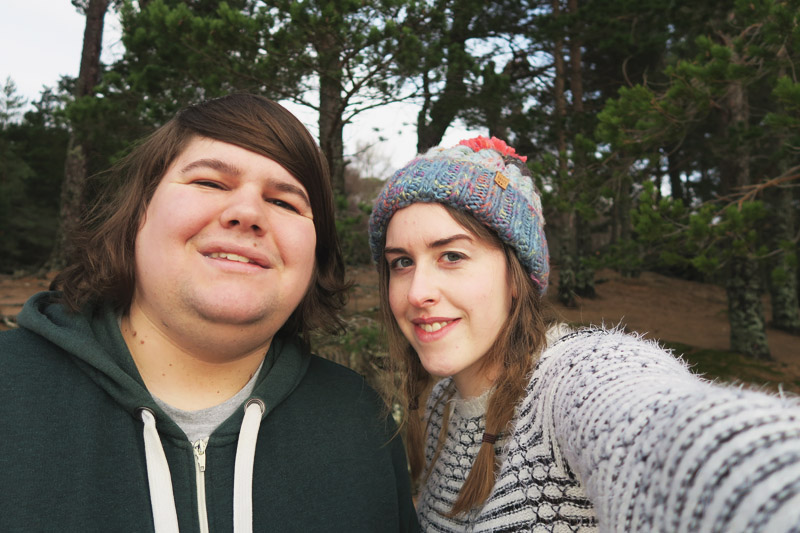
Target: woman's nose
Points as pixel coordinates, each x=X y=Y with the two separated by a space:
x=423 y=290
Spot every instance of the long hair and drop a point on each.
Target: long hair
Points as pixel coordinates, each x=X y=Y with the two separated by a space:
x=102 y=267
x=514 y=351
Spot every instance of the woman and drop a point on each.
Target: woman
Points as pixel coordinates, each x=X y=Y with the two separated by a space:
x=535 y=427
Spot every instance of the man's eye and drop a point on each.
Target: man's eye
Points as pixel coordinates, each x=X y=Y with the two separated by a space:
x=210 y=184
x=284 y=205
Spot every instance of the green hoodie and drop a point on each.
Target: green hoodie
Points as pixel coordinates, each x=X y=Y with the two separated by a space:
x=72 y=452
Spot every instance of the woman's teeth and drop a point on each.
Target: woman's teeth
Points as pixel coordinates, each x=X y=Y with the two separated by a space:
x=433 y=326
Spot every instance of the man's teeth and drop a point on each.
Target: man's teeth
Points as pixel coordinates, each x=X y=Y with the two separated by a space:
x=433 y=326
x=230 y=257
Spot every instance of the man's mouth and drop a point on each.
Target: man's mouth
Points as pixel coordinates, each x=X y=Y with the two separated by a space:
x=231 y=257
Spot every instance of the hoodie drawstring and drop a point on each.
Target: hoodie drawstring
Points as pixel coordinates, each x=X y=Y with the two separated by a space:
x=162 y=498
x=243 y=471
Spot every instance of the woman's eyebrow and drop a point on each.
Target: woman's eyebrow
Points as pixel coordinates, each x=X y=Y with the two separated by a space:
x=438 y=243
x=449 y=240
x=394 y=250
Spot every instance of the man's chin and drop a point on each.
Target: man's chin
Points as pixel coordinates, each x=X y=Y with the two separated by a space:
x=224 y=315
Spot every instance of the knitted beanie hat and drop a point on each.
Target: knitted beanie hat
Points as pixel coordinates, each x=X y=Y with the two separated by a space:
x=484 y=177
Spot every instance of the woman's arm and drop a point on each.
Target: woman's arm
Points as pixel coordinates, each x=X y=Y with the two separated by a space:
x=660 y=450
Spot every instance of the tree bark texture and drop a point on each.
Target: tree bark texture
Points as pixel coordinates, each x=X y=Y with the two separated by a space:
x=331 y=106
x=575 y=60
x=432 y=126
x=674 y=172
x=73 y=188
x=783 y=275
x=567 y=281
x=745 y=312
x=559 y=97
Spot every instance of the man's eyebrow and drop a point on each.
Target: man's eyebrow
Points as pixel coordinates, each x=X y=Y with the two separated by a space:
x=291 y=188
x=439 y=243
x=213 y=164
x=232 y=170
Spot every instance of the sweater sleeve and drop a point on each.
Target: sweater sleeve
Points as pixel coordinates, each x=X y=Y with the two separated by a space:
x=661 y=450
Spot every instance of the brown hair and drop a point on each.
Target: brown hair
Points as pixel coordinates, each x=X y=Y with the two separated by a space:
x=102 y=267
x=517 y=345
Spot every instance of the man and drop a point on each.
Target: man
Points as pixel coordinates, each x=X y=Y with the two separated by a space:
x=166 y=385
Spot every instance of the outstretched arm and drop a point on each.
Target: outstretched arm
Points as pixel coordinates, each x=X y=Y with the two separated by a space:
x=660 y=450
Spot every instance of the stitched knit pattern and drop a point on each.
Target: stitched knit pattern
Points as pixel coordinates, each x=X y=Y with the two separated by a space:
x=538 y=493
x=467 y=180
x=619 y=421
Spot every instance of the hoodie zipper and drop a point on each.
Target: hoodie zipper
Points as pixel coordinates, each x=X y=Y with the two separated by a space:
x=199 y=448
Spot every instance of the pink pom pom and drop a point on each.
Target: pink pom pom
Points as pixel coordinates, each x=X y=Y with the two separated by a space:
x=482 y=143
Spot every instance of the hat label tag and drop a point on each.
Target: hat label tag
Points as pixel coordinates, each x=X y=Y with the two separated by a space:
x=501 y=180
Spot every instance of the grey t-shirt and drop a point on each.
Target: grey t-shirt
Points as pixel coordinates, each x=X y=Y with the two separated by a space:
x=200 y=424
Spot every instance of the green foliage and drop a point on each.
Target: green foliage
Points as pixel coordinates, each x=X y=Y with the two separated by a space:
x=351 y=225
x=32 y=152
x=336 y=58
x=735 y=368
x=725 y=122
x=626 y=257
x=706 y=239
x=363 y=348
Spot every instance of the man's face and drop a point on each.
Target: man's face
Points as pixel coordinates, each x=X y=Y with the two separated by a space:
x=228 y=238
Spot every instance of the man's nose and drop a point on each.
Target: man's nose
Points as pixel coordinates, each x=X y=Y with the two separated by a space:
x=245 y=209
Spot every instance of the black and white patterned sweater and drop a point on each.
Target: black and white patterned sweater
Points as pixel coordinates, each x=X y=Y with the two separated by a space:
x=616 y=435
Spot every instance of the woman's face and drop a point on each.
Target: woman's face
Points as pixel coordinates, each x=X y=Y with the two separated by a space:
x=449 y=292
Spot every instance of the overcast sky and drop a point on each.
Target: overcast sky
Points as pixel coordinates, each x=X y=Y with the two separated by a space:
x=41 y=40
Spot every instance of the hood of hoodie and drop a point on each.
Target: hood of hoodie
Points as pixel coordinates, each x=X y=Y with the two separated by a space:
x=94 y=340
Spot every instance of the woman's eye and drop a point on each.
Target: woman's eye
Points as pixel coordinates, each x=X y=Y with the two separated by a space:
x=452 y=257
x=400 y=262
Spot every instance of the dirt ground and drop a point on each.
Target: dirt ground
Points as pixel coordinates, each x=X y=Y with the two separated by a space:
x=660 y=307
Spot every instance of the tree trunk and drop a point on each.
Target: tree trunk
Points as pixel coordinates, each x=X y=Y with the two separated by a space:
x=432 y=126
x=567 y=280
x=584 y=275
x=674 y=172
x=783 y=276
x=745 y=313
x=73 y=188
x=331 y=107
x=559 y=96
x=576 y=62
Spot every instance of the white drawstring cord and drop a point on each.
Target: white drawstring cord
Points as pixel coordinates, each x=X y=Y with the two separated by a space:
x=162 y=500
x=243 y=470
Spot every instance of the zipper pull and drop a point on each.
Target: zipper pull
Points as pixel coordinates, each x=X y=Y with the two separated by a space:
x=200 y=453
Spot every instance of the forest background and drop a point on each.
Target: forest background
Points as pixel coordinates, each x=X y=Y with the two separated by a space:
x=664 y=136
